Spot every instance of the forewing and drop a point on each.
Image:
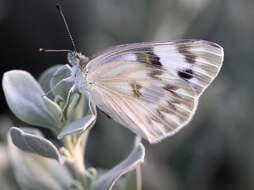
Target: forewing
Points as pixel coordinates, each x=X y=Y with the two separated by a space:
x=153 y=88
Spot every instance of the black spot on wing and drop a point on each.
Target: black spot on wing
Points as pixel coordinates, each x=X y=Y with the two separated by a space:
x=170 y=87
x=156 y=74
x=147 y=55
x=154 y=59
x=186 y=74
x=189 y=56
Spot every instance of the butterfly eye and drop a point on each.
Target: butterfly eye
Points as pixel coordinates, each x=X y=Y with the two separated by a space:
x=73 y=58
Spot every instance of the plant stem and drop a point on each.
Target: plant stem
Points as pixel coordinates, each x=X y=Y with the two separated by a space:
x=76 y=149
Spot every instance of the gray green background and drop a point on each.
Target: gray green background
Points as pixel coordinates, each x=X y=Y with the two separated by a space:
x=215 y=151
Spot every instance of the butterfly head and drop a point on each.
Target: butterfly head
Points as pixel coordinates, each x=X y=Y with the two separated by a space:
x=77 y=59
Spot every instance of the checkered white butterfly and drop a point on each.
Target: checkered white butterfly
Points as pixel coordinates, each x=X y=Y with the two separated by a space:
x=151 y=88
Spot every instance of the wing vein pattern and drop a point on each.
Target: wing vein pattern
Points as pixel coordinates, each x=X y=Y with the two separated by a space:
x=153 y=88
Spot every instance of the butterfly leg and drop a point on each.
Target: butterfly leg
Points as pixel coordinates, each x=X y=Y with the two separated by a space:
x=72 y=89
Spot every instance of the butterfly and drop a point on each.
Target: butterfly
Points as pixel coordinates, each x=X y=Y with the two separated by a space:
x=152 y=88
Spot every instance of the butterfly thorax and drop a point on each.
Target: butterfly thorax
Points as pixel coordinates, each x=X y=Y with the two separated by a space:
x=79 y=72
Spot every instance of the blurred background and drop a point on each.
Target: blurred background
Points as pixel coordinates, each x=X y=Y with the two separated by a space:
x=215 y=151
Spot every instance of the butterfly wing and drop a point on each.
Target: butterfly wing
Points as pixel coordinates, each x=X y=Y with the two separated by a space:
x=153 y=88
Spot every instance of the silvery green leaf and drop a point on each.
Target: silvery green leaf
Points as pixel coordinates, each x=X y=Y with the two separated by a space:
x=61 y=88
x=34 y=172
x=45 y=78
x=77 y=108
x=77 y=126
x=54 y=109
x=35 y=144
x=24 y=97
x=107 y=180
x=128 y=182
x=71 y=112
x=133 y=180
x=59 y=101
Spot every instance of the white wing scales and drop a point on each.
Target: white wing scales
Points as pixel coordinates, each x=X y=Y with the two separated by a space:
x=153 y=88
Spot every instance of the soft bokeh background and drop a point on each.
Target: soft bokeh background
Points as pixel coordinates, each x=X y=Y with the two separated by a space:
x=215 y=151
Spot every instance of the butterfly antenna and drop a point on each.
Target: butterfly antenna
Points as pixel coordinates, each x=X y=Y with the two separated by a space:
x=54 y=50
x=59 y=8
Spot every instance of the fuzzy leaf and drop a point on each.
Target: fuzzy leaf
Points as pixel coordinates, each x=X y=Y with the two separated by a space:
x=35 y=144
x=107 y=181
x=72 y=113
x=77 y=107
x=24 y=97
x=54 y=109
x=78 y=126
x=61 y=89
x=34 y=172
x=133 y=180
x=45 y=78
